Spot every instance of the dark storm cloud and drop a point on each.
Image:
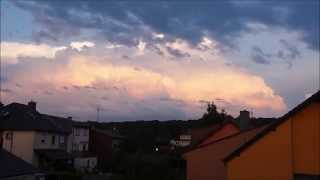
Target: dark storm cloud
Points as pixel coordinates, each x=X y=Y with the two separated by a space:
x=293 y=51
x=122 y=20
x=259 y=56
x=177 y=53
x=288 y=53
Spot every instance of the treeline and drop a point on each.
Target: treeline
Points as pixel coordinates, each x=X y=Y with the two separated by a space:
x=137 y=158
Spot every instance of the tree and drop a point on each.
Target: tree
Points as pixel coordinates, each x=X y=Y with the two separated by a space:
x=212 y=116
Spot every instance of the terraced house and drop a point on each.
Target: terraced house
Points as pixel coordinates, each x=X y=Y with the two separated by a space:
x=42 y=140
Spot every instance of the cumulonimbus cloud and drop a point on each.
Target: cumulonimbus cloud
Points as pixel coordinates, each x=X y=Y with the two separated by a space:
x=139 y=86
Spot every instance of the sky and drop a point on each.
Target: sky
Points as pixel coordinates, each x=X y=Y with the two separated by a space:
x=159 y=60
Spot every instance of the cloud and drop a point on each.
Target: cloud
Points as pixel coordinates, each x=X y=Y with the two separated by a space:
x=14 y=50
x=259 y=56
x=141 y=46
x=113 y=45
x=149 y=87
x=81 y=45
x=158 y=35
x=120 y=21
x=293 y=51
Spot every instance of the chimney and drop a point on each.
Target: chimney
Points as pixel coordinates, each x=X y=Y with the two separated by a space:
x=244 y=114
x=70 y=117
x=32 y=105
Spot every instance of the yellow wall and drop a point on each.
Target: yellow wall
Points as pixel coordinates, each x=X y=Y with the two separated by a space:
x=294 y=148
x=23 y=145
x=261 y=162
x=306 y=140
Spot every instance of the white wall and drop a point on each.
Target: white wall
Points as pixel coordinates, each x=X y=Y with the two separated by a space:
x=80 y=139
x=44 y=140
x=85 y=163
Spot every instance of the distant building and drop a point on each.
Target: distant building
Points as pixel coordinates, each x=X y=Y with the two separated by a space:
x=84 y=160
x=103 y=143
x=193 y=136
x=183 y=140
x=287 y=149
x=14 y=168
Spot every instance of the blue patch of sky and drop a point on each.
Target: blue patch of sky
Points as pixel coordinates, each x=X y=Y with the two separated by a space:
x=16 y=25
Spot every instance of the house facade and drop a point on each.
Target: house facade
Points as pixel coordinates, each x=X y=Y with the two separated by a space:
x=103 y=143
x=287 y=149
x=45 y=140
x=25 y=144
x=83 y=159
x=24 y=132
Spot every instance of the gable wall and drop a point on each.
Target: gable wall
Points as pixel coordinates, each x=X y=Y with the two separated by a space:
x=260 y=161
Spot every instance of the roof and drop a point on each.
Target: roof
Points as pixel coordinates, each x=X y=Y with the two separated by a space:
x=249 y=132
x=314 y=98
x=214 y=152
x=11 y=165
x=216 y=130
x=80 y=124
x=16 y=116
x=198 y=134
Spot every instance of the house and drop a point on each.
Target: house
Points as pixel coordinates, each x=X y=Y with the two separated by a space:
x=205 y=161
x=183 y=140
x=84 y=160
x=287 y=149
x=33 y=137
x=12 y=167
x=43 y=140
x=206 y=156
x=103 y=143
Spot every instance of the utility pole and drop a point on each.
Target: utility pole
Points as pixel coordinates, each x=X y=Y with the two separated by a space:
x=98 y=113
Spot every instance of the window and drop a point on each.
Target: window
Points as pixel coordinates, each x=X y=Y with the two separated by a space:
x=88 y=163
x=61 y=139
x=8 y=135
x=77 y=132
x=43 y=138
x=53 y=140
x=84 y=147
x=75 y=147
